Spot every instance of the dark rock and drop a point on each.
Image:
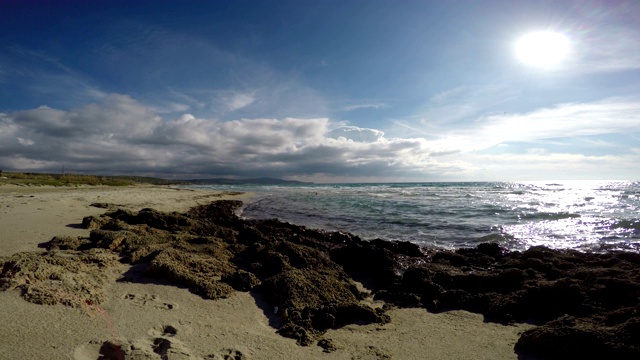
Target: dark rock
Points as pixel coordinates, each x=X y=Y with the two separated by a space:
x=153 y=218
x=196 y=271
x=310 y=302
x=568 y=337
x=586 y=304
x=241 y=280
x=93 y=222
x=366 y=260
x=221 y=213
x=398 y=247
x=450 y=258
x=302 y=335
x=327 y=345
x=64 y=242
x=101 y=205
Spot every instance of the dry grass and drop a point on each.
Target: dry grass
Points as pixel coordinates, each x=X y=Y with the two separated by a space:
x=42 y=179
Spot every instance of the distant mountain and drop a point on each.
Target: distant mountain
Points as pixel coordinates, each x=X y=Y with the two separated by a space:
x=258 y=181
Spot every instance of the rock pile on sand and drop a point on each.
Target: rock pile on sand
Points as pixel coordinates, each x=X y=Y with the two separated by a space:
x=586 y=304
x=75 y=279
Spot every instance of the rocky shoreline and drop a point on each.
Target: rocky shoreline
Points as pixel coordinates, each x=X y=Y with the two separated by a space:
x=586 y=305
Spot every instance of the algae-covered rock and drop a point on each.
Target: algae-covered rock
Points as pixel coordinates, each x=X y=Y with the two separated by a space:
x=327 y=345
x=93 y=222
x=56 y=278
x=218 y=213
x=201 y=273
x=65 y=242
x=576 y=298
x=298 y=289
x=311 y=302
x=241 y=280
x=568 y=337
x=307 y=276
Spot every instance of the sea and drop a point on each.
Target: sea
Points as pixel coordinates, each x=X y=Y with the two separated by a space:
x=581 y=215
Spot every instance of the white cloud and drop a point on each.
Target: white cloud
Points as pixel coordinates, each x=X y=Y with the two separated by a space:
x=598 y=143
x=368 y=105
x=238 y=100
x=463 y=103
x=559 y=166
x=25 y=142
x=448 y=94
x=356 y=134
x=170 y=107
x=609 y=116
x=120 y=135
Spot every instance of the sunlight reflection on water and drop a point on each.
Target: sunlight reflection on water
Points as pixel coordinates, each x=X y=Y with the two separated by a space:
x=576 y=214
x=594 y=215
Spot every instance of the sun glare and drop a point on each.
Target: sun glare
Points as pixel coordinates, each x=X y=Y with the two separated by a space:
x=542 y=49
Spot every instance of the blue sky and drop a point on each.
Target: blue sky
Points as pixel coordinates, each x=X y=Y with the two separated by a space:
x=326 y=91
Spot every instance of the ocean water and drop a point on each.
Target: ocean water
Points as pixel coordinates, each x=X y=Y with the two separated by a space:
x=582 y=215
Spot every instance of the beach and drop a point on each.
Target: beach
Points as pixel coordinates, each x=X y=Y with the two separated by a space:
x=160 y=320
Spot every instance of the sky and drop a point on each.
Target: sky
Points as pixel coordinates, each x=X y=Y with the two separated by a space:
x=322 y=91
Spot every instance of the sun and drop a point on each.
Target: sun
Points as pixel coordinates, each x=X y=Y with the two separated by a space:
x=543 y=49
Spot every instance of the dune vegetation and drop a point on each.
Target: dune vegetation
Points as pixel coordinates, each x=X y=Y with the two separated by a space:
x=48 y=179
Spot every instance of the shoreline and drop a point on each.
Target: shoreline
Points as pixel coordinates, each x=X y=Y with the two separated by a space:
x=587 y=218
x=204 y=282
x=27 y=212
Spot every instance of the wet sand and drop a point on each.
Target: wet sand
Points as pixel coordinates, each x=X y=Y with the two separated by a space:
x=155 y=320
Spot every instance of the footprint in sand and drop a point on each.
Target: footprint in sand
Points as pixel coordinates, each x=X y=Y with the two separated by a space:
x=159 y=345
x=228 y=354
x=149 y=300
x=371 y=353
x=163 y=331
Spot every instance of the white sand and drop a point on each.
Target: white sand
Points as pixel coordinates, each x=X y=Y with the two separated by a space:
x=150 y=316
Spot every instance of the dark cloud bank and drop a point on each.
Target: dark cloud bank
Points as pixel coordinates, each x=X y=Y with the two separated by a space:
x=121 y=136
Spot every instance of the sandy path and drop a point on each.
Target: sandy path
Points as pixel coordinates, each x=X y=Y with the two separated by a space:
x=156 y=321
